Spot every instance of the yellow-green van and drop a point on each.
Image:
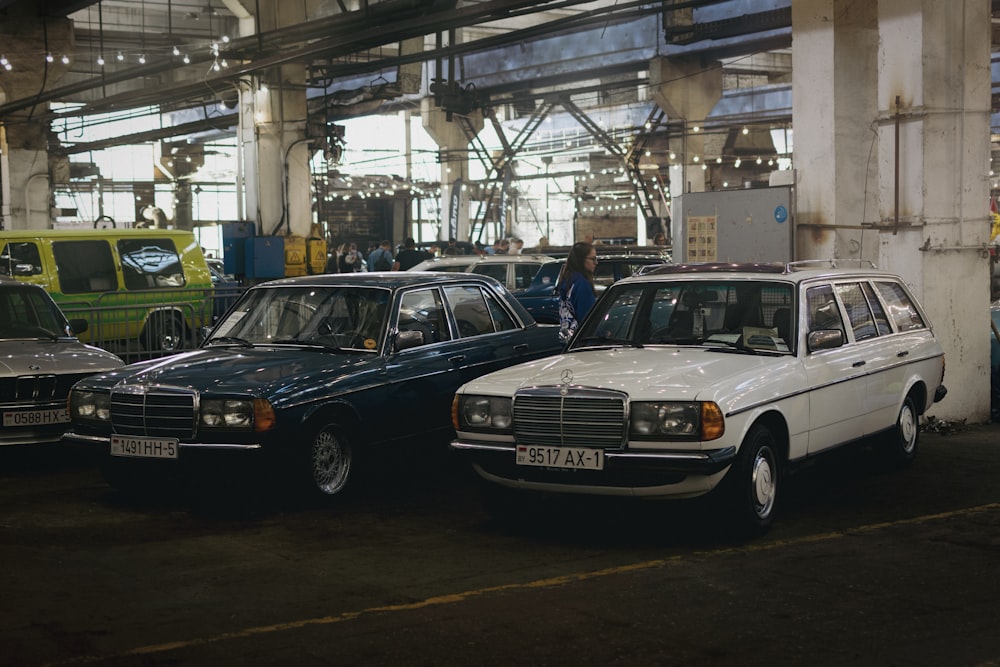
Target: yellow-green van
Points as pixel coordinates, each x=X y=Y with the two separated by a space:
x=145 y=287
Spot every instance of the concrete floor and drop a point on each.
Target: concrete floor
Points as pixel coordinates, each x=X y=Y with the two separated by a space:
x=863 y=567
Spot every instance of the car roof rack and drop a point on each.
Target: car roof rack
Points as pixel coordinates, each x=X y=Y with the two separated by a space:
x=832 y=263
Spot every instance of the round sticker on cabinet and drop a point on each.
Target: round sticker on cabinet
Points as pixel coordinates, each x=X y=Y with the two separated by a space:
x=781 y=214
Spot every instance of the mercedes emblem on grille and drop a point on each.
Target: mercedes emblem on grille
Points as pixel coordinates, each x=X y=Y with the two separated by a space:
x=567 y=376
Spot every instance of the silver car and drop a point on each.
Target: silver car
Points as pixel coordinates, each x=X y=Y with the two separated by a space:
x=40 y=359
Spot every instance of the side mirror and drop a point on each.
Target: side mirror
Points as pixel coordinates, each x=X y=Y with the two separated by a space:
x=825 y=339
x=78 y=326
x=407 y=339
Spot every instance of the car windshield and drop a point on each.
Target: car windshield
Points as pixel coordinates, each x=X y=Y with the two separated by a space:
x=343 y=318
x=29 y=313
x=732 y=315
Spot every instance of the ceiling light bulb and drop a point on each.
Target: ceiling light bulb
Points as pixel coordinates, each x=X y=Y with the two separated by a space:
x=120 y=56
x=65 y=60
x=100 y=60
x=142 y=59
x=176 y=51
x=746 y=130
x=49 y=58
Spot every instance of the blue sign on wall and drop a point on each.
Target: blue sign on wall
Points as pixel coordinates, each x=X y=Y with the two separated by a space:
x=781 y=214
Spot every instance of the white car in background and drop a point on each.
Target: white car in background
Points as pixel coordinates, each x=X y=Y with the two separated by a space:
x=40 y=359
x=708 y=378
x=513 y=271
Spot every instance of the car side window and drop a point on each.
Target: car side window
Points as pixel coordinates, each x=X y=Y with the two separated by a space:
x=858 y=311
x=904 y=314
x=85 y=266
x=822 y=310
x=471 y=313
x=502 y=319
x=881 y=319
x=150 y=264
x=421 y=310
x=523 y=274
x=498 y=271
x=20 y=259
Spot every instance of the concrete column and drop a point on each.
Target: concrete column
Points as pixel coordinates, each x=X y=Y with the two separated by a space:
x=934 y=94
x=276 y=177
x=24 y=159
x=834 y=78
x=454 y=145
x=687 y=89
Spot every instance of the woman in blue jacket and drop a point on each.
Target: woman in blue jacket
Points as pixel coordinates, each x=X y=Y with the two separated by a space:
x=576 y=287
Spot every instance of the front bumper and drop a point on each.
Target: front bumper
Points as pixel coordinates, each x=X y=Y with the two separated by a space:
x=632 y=470
x=103 y=443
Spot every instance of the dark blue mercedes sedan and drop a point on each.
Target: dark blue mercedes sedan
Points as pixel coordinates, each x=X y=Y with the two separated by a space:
x=312 y=375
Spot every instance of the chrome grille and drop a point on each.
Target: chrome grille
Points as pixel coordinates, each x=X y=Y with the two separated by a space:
x=37 y=388
x=153 y=411
x=570 y=416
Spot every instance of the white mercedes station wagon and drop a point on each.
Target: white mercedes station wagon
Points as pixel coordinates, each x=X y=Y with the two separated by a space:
x=709 y=378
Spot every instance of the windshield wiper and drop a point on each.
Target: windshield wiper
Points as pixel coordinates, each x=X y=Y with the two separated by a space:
x=602 y=340
x=737 y=345
x=242 y=342
x=312 y=342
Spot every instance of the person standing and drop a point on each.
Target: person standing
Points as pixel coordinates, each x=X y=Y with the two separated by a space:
x=516 y=246
x=575 y=287
x=409 y=256
x=350 y=259
x=380 y=259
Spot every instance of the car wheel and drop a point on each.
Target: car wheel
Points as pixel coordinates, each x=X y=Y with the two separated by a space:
x=753 y=483
x=899 y=445
x=163 y=333
x=329 y=461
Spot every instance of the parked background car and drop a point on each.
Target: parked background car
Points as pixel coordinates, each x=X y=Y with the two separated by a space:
x=709 y=378
x=315 y=377
x=226 y=288
x=144 y=291
x=40 y=359
x=513 y=271
x=613 y=264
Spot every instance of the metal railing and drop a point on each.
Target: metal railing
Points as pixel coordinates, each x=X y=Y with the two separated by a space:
x=147 y=324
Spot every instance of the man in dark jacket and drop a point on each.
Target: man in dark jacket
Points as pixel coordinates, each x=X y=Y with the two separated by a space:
x=409 y=256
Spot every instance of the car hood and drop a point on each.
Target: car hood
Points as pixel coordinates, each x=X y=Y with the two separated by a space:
x=272 y=372
x=651 y=373
x=32 y=357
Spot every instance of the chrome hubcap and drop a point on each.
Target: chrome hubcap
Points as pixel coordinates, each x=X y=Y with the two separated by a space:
x=331 y=463
x=763 y=483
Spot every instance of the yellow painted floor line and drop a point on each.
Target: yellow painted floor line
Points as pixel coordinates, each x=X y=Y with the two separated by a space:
x=550 y=582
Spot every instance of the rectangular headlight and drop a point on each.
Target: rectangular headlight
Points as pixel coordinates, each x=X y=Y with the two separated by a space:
x=90 y=405
x=227 y=413
x=483 y=413
x=695 y=420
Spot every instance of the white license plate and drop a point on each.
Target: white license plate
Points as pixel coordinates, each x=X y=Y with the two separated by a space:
x=35 y=417
x=576 y=458
x=149 y=448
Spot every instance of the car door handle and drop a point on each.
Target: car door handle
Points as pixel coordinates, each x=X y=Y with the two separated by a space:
x=521 y=347
x=858 y=364
x=457 y=359
x=903 y=353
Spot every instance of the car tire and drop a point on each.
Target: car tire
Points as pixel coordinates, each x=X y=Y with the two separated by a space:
x=328 y=462
x=752 y=484
x=899 y=446
x=163 y=333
